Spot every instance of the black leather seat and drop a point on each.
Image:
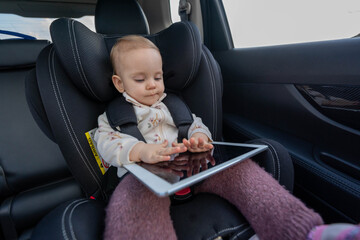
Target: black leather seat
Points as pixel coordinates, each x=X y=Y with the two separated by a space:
x=74 y=86
x=34 y=177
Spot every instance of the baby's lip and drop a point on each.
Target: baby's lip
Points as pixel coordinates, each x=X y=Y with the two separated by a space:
x=153 y=94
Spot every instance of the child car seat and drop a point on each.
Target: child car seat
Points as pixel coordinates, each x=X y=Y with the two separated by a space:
x=74 y=83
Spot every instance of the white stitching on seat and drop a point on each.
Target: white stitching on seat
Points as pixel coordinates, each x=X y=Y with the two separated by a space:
x=277 y=159
x=331 y=178
x=239 y=233
x=225 y=230
x=81 y=73
x=62 y=109
x=70 y=218
x=73 y=51
x=63 y=219
x=212 y=80
x=193 y=52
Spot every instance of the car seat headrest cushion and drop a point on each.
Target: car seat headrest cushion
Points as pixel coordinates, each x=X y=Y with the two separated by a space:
x=180 y=48
x=85 y=56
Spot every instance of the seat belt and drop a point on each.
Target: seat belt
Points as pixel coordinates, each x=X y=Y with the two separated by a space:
x=184 y=10
x=122 y=118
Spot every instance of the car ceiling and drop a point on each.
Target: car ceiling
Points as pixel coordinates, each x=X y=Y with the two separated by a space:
x=49 y=8
x=156 y=11
x=79 y=8
x=65 y=8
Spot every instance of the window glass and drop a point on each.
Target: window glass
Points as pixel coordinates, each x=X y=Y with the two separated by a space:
x=174 y=8
x=274 y=22
x=11 y=26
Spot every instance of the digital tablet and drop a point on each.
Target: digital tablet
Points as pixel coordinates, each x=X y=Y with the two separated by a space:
x=186 y=169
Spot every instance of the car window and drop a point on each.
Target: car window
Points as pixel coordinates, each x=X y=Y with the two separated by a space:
x=274 y=22
x=174 y=8
x=14 y=26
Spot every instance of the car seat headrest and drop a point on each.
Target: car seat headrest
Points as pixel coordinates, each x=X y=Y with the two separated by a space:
x=12 y=50
x=85 y=56
x=120 y=17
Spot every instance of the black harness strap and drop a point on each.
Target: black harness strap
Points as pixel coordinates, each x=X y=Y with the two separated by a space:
x=120 y=113
x=121 y=116
x=180 y=113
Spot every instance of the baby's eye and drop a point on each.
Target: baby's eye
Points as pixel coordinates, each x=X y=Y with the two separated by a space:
x=158 y=78
x=139 y=80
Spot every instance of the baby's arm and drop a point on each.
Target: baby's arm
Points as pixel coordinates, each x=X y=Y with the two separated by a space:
x=199 y=142
x=199 y=137
x=113 y=146
x=153 y=153
x=119 y=149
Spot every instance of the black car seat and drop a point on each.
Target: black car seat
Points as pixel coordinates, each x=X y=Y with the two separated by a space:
x=34 y=177
x=113 y=17
x=74 y=85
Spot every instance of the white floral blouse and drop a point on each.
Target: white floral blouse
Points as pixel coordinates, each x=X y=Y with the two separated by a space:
x=155 y=124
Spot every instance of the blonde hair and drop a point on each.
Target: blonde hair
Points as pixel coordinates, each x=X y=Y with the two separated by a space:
x=127 y=43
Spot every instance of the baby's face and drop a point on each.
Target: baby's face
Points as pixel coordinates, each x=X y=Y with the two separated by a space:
x=140 y=75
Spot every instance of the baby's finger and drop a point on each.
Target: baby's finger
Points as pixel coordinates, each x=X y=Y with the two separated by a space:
x=211 y=160
x=201 y=143
x=176 y=144
x=180 y=168
x=178 y=162
x=208 y=146
x=193 y=143
x=204 y=165
x=165 y=143
x=196 y=168
x=186 y=143
x=180 y=159
x=173 y=150
x=162 y=158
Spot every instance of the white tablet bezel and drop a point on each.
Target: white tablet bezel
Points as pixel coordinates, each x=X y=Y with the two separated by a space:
x=163 y=188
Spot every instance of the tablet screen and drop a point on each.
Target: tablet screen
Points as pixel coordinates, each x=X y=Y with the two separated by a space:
x=190 y=164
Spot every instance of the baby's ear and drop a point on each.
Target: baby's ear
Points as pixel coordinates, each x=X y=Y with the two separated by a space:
x=118 y=83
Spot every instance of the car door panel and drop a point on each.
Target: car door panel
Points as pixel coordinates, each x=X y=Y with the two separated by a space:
x=273 y=92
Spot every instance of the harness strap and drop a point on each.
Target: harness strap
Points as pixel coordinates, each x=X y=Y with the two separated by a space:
x=121 y=116
x=180 y=113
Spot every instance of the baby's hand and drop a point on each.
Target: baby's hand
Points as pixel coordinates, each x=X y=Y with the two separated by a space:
x=198 y=143
x=154 y=153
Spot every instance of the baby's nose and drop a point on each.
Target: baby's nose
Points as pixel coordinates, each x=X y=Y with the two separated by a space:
x=151 y=84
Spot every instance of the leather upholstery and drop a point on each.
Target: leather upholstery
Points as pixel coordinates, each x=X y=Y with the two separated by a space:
x=276 y=161
x=35 y=104
x=80 y=219
x=208 y=216
x=213 y=217
x=19 y=54
x=66 y=110
x=34 y=177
